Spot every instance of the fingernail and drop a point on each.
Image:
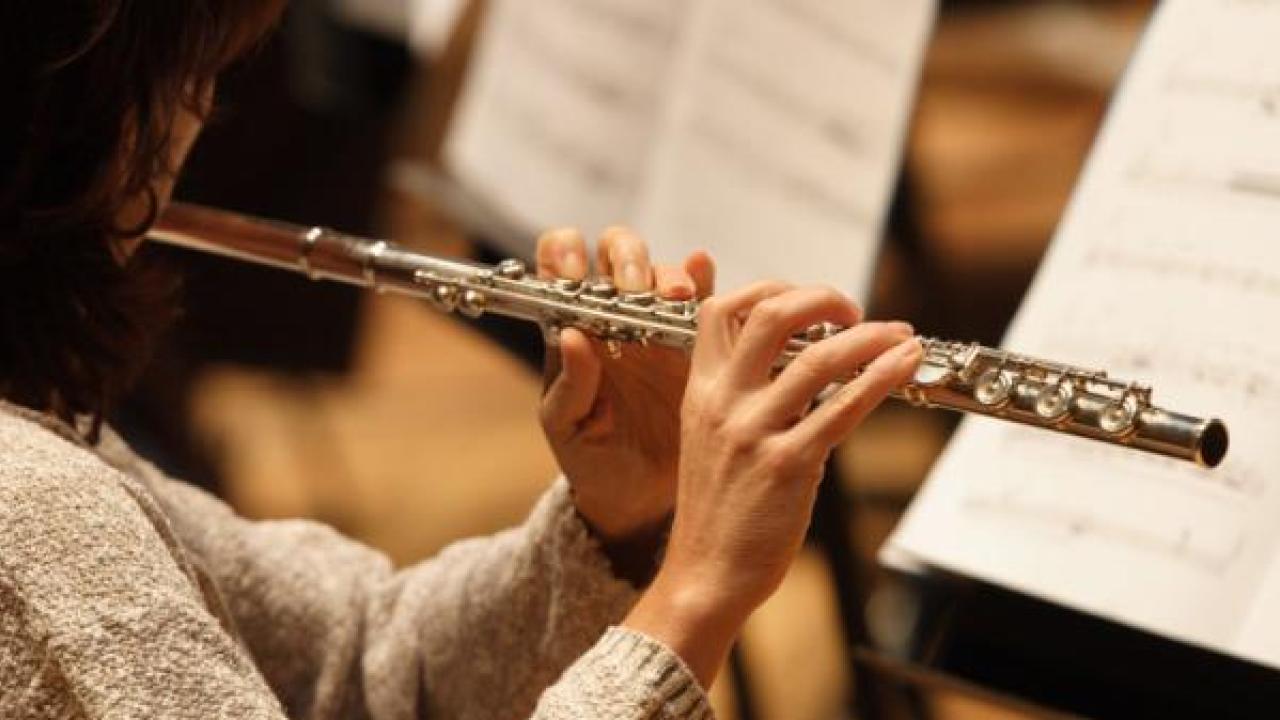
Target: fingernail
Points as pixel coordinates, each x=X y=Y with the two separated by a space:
x=632 y=278
x=572 y=265
x=679 y=291
x=909 y=353
x=898 y=327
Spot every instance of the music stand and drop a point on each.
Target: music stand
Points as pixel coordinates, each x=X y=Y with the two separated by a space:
x=1050 y=661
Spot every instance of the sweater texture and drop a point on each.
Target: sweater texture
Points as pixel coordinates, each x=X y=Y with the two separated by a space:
x=125 y=594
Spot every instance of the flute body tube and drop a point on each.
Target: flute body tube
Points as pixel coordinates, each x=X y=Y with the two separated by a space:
x=964 y=377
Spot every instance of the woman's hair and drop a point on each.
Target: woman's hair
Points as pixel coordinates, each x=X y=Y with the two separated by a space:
x=91 y=89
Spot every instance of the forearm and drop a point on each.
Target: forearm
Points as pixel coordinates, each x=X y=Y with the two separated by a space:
x=320 y=612
x=520 y=608
x=696 y=626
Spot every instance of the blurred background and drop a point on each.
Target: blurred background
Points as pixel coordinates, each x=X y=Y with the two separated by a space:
x=409 y=430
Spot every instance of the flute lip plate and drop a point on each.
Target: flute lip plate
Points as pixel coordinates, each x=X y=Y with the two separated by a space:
x=1214 y=442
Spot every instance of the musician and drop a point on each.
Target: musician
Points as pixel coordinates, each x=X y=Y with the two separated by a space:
x=126 y=594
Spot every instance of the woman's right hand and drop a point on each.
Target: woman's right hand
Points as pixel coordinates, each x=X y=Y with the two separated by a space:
x=752 y=453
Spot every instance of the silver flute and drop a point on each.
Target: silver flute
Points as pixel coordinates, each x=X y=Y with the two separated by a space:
x=965 y=377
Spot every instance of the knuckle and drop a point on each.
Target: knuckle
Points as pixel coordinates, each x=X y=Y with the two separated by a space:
x=765 y=289
x=831 y=294
x=783 y=457
x=770 y=312
x=719 y=408
x=857 y=398
x=739 y=432
x=717 y=412
x=835 y=298
x=702 y=405
x=883 y=330
x=817 y=362
x=735 y=434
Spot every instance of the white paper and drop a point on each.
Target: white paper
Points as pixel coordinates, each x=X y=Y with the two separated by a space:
x=782 y=139
x=1166 y=269
x=766 y=131
x=557 y=119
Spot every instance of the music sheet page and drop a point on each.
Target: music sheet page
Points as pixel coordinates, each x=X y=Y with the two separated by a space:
x=782 y=140
x=557 y=119
x=1166 y=269
x=766 y=131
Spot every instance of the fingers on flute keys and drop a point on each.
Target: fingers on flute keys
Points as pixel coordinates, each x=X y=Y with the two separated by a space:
x=742 y=334
x=623 y=257
x=562 y=253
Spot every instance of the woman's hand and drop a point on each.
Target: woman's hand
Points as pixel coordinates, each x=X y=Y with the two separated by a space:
x=614 y=424
x=753 y=453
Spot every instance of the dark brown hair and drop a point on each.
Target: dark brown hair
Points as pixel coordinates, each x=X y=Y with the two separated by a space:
x=90 y=90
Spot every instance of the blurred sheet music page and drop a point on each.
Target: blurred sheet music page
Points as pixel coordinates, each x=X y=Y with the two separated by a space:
x=1167 y=269
x=767 y=131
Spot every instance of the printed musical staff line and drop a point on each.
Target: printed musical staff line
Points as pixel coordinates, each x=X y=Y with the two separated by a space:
x=1265 y=184
x=1183 y=546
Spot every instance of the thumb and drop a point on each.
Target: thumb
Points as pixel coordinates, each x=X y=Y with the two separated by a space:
x=571 y=391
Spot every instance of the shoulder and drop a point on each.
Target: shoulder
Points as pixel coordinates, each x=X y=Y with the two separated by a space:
x=41 y=470
x=36 y=463
x=103 y=589
x=62 y=505
x=76 y=535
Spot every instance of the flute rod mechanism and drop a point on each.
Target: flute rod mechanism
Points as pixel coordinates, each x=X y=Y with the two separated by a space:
x=964 y=377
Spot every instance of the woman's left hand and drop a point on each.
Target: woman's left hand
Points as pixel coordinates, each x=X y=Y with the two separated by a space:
x=614 y=423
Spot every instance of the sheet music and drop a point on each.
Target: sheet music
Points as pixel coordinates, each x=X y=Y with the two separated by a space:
x=557 y=119
x=780 y=147
x=1166 y=269
x=767 y=131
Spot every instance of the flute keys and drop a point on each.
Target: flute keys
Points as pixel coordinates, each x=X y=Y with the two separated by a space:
x=643 y=299
x=674 y=307
x=511 y=269
x=568 y=285
x=993 y=388
x=1118 y=417
x=472 y=303
x=603 y=289
x=444 y=297
x=820 y=331
x=1054 y=401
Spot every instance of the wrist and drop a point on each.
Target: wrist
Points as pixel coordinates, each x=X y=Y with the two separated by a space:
x=691 y=619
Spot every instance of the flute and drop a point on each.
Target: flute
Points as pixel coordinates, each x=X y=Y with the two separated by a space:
x=965 y=377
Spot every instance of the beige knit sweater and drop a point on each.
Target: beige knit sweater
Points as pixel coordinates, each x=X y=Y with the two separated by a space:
x=124 y=594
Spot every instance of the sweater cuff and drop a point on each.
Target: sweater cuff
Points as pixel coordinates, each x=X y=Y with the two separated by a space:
x=660 y=669
x=627 y=675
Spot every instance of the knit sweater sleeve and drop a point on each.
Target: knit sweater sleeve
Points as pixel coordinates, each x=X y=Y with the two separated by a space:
x=479 y=631
x=97 y=616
